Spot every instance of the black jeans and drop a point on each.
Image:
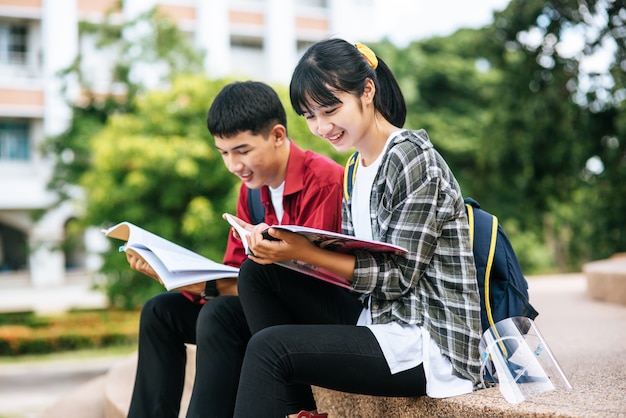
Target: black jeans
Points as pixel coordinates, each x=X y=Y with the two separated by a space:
x=220 y=332
x=304 y=334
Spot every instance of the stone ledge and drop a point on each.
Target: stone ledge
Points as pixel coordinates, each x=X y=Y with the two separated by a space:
x=578 y=403
x=606 y=279
x=484 y=403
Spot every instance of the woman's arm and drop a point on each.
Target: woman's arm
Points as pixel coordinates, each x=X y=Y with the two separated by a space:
x=292 y=246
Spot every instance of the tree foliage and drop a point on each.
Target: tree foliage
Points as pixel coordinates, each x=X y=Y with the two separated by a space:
x=156 y=46
x=558 y=116
x=157 y=168
x=523 y=122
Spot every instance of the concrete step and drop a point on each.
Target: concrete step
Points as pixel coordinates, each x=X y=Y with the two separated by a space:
x=118 y=388
x=109 y=395
x=606 y=279
x=120 y=380
x=88 y=401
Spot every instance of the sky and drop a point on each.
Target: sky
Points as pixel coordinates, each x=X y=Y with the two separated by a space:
x=406 y=20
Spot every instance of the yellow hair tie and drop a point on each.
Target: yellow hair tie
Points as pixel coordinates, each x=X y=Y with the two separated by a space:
x=368 y=54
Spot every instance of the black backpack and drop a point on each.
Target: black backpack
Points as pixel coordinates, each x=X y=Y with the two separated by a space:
x=502 y=285
x=257 y=210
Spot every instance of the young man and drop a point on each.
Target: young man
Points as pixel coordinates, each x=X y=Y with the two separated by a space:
x=299 y=187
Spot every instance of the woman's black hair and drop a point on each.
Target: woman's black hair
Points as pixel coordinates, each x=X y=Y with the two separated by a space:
x=336 y=65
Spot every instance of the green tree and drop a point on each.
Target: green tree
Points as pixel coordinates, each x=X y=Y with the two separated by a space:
x=157 y=167
x=159 y=47
x=528 y=132
x=448 y=93
x=553 y=118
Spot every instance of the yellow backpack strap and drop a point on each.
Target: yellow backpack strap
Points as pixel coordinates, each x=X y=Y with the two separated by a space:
x=349 y=175
x=470 y=220
x=492 y=251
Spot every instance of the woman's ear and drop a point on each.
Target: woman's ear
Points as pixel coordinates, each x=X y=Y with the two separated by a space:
x=278 y=134
x=369 y=90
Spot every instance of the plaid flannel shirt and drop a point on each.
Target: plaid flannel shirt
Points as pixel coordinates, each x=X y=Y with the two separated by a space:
x=416 y=202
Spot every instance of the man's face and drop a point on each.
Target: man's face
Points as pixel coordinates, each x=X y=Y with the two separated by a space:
x=252 y=158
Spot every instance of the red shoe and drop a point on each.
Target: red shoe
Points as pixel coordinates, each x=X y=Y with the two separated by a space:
x=306 y=414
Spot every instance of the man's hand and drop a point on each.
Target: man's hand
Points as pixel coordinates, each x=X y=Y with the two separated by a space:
x=227 y=287
x=139 y=264
x=195 y=289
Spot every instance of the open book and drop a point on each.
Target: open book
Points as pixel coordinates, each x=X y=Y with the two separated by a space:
x=175 y=265
x=332 y=241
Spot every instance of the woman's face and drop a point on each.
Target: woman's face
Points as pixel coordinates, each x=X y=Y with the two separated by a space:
x=344 y=124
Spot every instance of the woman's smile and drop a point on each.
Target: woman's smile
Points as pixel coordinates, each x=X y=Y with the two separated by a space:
x=335 y=137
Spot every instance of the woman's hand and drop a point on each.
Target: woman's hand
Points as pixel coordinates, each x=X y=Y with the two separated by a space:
x=242 y=229
x=277 y=245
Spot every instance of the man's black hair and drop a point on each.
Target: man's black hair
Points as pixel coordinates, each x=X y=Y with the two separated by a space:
x=245 y=106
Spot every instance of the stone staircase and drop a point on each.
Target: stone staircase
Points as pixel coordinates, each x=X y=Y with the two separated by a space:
x=587 y=337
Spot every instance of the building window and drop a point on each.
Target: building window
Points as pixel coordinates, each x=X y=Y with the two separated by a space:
x=13 y=249
x=14 y=141
x=74 y=245
x=313 y=3
x=13 y=43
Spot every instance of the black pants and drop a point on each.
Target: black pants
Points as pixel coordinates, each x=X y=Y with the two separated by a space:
x=220 y=332
x=304 y=334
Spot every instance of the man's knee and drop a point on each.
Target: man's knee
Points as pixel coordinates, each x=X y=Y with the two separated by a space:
x=156 y=308
x=220 y=315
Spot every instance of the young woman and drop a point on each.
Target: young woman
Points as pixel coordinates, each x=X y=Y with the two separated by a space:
x=411 y=325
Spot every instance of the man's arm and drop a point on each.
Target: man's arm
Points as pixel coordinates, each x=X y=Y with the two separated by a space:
x=139 y=264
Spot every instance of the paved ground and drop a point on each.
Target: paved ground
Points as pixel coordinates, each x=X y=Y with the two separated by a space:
x=27 y=389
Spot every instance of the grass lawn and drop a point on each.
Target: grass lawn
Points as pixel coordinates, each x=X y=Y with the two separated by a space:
x=114 y=351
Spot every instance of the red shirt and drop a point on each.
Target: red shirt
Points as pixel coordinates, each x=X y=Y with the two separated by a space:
x=312 y=197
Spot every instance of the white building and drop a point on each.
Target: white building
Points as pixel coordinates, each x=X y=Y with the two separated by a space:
x=259 y=39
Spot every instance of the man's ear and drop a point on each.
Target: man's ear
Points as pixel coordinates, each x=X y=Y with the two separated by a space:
x=278 y=134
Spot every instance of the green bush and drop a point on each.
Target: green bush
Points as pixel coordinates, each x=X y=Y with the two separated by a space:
x=27 y=333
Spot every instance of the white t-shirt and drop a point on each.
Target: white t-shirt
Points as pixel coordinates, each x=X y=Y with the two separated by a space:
x=404 y=346
x=277 y=201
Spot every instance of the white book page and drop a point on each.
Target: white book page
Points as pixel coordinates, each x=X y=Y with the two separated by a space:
x=173 y=280
x=335 y=241
x=177 y=261
x=174 y=257
x=243 y=233
x=298 y=266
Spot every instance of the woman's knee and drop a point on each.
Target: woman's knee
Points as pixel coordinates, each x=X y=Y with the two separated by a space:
x=268 y=345
x=247 y=270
